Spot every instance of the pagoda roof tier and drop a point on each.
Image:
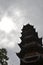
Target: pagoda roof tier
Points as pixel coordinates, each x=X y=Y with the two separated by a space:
x=39 y=40
x=29 y=38
x=32 y=38
x=27 y=31
x=20 y=55
x=28 y=26
x=28 y=44
x=29 y=50
x=33 y=60
x=28 y=35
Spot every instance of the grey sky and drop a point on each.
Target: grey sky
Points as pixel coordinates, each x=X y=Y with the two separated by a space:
x=31 y=11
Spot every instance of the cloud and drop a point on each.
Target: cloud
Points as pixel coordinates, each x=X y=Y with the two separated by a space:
x=9 y=33
x=7 y=24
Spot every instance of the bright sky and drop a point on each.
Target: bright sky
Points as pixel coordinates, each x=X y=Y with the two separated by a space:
x=7 y=24
x=10 y=32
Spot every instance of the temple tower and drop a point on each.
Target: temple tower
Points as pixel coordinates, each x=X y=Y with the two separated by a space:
x=31 y=47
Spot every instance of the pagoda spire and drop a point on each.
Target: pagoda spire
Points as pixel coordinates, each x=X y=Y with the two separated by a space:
x=31 y=46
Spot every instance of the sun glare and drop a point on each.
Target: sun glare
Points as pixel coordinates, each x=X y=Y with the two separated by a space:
x=7 y=24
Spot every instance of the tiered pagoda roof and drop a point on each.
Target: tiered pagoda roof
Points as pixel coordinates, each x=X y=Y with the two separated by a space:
x=31 y=46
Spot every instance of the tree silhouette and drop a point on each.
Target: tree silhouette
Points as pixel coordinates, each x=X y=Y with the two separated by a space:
x=3 y=56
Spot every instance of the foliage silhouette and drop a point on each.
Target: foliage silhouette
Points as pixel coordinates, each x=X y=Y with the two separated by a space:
x=3 y=56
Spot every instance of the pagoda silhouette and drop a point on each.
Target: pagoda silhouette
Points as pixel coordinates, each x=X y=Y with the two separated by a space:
x=31 y=47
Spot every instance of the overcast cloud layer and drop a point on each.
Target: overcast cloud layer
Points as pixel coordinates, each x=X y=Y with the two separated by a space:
x=22 y=12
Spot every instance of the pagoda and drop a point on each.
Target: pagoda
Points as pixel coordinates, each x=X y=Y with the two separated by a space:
x=31 y=47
